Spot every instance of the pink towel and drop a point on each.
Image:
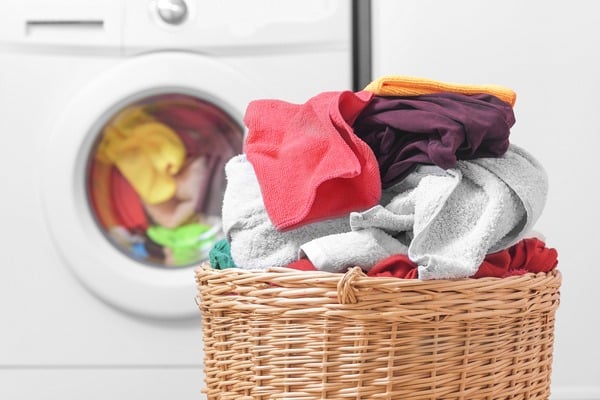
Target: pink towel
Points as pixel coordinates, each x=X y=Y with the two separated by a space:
x=309 y=163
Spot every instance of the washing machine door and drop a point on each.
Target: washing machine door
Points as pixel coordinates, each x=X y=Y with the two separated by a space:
x=132 y=177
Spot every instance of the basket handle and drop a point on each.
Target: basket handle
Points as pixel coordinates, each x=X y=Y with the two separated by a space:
x=346 y=292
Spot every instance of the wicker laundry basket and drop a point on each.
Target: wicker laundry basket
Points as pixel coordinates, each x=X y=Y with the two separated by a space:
x=287 y=334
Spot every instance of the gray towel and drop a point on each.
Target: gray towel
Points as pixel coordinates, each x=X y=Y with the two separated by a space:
x=335 y=253
x=528 y=180
x=371 y=238
x=255 y=242
x=451 y=238
x=458 y=215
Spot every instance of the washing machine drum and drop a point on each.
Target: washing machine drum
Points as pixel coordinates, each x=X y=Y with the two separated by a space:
x=156 y=178
x=134 y=178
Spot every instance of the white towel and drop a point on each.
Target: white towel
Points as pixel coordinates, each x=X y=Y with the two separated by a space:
x=527 y=178
x=380 y=231
x=255 y=242
x=336 y=253
x=452 y=238
x=458 y=216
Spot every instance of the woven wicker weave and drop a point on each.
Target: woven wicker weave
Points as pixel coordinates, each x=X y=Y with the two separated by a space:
x=286 y=334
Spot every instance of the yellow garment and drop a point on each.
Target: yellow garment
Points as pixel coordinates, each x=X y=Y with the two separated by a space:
x=148 y=154
x=398 y=85
x=131 y=117
x=123 y=123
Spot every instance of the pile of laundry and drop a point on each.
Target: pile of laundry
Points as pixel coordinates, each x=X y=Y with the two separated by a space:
x=410 y=177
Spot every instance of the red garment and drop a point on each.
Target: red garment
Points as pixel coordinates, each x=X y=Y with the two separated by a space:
x=309 y=163
x=528 y=255
x=302 y=264
x=100 y=191
x=396 y=266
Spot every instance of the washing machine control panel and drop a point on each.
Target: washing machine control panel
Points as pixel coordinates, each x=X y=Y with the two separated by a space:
x=138 y=26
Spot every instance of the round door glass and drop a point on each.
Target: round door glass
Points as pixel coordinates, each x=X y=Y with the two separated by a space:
x=155 y=178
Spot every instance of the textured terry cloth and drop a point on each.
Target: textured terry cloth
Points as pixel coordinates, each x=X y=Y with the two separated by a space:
x=528 y=180
x=363 y=248
x=451 y=240
x=255 y=242
x=459 y=215
x=528 y=255
x=400 y=85
x=371 y=240
x=433 y=129
x=220 y=255
x=309 y=163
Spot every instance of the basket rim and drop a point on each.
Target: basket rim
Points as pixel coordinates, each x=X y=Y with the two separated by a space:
x=361 y=280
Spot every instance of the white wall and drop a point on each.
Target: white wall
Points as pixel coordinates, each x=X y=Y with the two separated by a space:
x=549 y=53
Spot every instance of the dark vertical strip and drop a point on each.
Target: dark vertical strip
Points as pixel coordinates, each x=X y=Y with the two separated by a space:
x=361 y=44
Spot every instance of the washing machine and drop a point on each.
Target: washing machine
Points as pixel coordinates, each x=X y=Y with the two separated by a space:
x=116 y=118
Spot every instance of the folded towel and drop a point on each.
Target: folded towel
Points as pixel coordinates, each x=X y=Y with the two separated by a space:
x=399 y=85
x=438 y=129
x=309 y=163
x=255 y=242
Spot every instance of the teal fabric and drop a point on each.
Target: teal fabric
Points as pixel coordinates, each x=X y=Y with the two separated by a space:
x=220 y=255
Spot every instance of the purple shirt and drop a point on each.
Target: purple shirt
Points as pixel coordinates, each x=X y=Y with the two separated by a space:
x=435 y=129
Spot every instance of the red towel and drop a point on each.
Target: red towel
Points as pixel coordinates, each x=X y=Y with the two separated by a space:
x=309 y=163
x=528 y=255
